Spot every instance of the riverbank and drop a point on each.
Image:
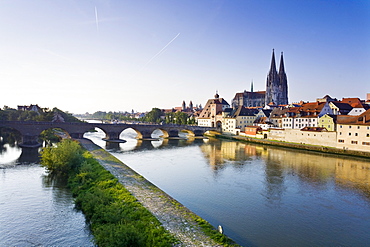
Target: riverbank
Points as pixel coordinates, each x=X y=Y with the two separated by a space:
x=183 y=224
x=316 y=148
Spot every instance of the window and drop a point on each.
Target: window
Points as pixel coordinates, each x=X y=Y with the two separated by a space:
x=366 y=143
x=340 y=140
x=367 y=135
x=349 y=133
x=356 y=134
x=353 y=142
x=340 y=133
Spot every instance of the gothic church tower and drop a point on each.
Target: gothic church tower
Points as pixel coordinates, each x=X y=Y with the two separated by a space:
x=276 y=83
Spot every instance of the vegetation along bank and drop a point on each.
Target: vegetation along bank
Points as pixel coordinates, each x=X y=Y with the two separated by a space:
x=123 y=208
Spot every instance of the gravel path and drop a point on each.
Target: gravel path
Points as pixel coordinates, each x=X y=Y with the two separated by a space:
x=175 y=218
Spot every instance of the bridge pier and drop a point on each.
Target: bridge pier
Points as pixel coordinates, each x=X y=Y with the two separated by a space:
x=198 y=132
x=173 y=133
x=30 y=141
x=113 y=137
x=144 y=134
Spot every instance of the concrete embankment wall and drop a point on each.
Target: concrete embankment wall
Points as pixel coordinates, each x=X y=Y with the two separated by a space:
x=281 y=143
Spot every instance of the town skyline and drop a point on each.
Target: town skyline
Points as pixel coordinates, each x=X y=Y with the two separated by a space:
x=123 y=55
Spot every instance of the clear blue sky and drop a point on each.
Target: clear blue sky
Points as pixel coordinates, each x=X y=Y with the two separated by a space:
x=85 y=56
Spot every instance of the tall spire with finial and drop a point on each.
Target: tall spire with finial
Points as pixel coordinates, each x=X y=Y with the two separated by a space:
x=273 y=65
x=272 y=82
x=281 y=69
x=283 y=99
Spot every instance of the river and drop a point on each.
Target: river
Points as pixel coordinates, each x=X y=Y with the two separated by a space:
x=35 y=210
x=262 y=196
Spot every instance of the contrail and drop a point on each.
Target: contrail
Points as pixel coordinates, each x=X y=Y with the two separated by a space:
x=96 y=19
x=156 y=55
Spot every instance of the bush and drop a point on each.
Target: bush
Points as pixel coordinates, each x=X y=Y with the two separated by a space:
x=62 y=159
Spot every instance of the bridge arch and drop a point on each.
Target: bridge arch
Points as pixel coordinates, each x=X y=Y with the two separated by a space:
x=188 y=132
x=11 y=135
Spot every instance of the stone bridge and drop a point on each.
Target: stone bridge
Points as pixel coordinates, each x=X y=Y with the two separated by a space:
x=31 y=131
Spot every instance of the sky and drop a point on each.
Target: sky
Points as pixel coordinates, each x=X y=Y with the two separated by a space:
x=123 y=55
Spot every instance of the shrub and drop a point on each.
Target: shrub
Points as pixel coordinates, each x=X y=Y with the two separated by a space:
x=62 y=159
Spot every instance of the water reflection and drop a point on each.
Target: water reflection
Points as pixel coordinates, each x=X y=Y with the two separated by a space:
x=29 y=155
x=314 y=168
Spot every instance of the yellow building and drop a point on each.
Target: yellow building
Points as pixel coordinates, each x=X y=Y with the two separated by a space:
x=328 y=121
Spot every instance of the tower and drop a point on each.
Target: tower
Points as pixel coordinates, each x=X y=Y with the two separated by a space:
x=276 y=83
x=191 y=105
x=283 y=83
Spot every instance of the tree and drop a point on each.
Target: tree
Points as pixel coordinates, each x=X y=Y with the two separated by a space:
x=181 y=118
x=170 y=118
x=63 y=158
x=154 y=116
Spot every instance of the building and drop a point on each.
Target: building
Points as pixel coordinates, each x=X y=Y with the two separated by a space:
x=212 y=113
x=276 y=89
x=353 y=132
x=34 y=108
x=329 y=122
x=249 y=99
x=276 y=84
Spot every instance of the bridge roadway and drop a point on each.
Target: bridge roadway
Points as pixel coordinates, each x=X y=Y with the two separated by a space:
x=30 y=131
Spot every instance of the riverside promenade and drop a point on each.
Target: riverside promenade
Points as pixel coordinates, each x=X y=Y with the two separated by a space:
x=174 y=217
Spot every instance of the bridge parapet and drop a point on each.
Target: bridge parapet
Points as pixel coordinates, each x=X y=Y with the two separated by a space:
x=30 y=131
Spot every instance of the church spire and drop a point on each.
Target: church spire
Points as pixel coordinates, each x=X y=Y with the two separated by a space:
x=281 y=69
x=273 y=65
x=252 y=86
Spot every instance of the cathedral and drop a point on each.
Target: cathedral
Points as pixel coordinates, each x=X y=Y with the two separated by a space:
x=276 y=89
x=276 y=84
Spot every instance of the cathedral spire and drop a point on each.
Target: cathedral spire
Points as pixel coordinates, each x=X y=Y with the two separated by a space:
x=273 y=65
x=281 y=69
x=252 y=86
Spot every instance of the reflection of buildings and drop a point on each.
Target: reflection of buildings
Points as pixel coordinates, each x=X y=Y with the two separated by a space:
x=281 y=163
x=219 y=152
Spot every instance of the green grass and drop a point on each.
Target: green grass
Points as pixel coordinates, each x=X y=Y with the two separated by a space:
x=115 y=217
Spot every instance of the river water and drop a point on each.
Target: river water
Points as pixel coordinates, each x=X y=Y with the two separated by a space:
x=35 y=210
x=262 y=196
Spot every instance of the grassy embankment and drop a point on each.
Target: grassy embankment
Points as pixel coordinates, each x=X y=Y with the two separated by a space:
x=116 y=217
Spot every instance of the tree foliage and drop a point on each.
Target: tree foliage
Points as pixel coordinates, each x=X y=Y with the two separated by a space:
x=154 y=116
x=63 y=158
x=179 y=117
x=45 y=114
